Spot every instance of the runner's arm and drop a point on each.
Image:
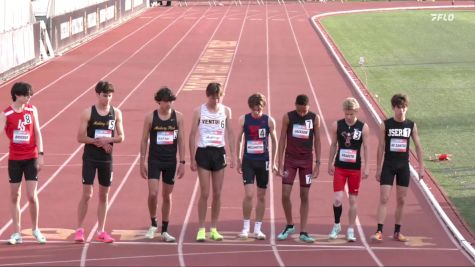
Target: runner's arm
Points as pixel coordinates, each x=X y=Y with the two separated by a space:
x=333 y=148
x=282 y=143
x=365 y=151
x=230 y=136
x=273 y=138
x=419 y=151
x=239 y=149
x=380 y=151
x=192 y=140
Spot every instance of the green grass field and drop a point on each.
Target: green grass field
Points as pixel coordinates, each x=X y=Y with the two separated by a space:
x=433 y=61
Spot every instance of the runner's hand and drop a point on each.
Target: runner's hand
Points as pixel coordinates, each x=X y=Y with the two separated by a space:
x=316 y=171
x=143 y=170
x=180 y=172
x=331 y=169
x=39 y=163
x=193 y=165
x=231 y=162
x=275 y=169
x=365 y=174
x=239 y=166
x=421 y=174
x=107 y=147
x=378 y=176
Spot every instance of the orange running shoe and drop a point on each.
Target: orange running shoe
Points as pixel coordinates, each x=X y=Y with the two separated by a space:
x=378 y=236
x=399 y=237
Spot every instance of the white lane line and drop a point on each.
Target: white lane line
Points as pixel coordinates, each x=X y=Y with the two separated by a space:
x=271 y=176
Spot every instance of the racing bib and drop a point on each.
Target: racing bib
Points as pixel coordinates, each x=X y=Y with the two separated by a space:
x=99 y=133
x=165 y=138
x=213 y=139
x=348 y=155
x=308 y=178
x=300 y=131
x=398 y=145
x=255 y=146
x=21 y=137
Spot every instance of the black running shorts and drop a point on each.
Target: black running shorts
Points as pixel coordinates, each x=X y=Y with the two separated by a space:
x=18 y=168
x=258 y=169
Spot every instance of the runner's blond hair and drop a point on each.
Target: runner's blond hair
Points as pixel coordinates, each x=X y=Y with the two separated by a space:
x=351 y=103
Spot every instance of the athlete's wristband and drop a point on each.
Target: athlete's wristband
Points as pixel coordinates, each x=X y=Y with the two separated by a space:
x=41 y=153
x=182 y=162
x=317 y=161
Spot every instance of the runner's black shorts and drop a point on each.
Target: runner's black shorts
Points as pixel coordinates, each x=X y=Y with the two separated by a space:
x=258 y=169
x=18 y=168
x=166 y=169
x=395 y=169
x=104 y=172
x=211 y=158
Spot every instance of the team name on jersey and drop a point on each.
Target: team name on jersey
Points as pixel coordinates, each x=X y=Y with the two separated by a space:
x=99 y=123
x=164 y=128
x=205 y=121
x=406 y=132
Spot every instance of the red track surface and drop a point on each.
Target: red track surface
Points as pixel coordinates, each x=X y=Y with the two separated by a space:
x=278 y=53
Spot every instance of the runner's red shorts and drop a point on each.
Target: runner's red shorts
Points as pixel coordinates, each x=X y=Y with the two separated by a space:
x=342 y=176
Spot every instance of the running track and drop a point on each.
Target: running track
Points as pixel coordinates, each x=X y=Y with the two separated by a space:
x=272 y=49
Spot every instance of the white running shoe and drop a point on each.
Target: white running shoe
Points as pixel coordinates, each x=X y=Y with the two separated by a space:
x=15 y=239
x=335 y=231
x=260 y=236
x=244 y=234
x=151 y=232
x=350 y=235
x=39 y=237
x=166 y=237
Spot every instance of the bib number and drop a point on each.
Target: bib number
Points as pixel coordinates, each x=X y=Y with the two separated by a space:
x=308 y=178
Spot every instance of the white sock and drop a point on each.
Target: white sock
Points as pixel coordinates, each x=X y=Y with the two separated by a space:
x=257 y=227
x=246 y=226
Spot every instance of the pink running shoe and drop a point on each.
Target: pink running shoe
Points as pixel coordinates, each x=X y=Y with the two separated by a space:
x=104 y=237
x=79 y=235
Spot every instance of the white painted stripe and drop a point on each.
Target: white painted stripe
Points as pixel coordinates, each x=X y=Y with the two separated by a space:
x=271 y=176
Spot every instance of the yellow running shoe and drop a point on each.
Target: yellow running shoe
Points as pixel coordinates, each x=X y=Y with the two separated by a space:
x=214 y=235
x=201 y=236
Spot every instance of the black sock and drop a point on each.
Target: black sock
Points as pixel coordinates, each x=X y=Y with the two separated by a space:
x=164 y=226
x=304 y=233
x=380 y=227
x=337 y=212
x=397 y=228
x=154 y=221
x=288 y=226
